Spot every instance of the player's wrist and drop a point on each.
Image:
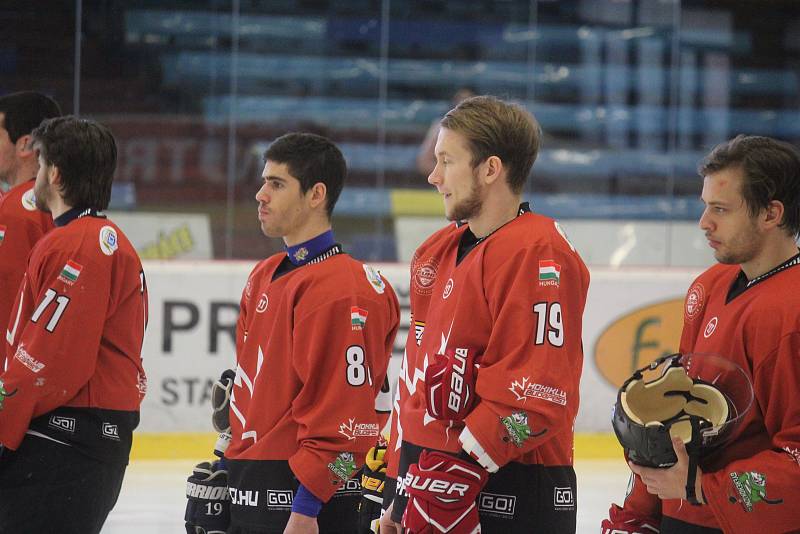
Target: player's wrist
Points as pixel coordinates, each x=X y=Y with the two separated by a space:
x=306 y=503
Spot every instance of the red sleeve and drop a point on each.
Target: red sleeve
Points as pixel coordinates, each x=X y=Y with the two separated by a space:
x=342 y=363
x=18 y=234
x=53 y=348
x=763 y=489
x=530 y=370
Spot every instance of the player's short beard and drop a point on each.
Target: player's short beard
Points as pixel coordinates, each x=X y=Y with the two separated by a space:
x=42 y=194
x=471 y=206
x=745 y=246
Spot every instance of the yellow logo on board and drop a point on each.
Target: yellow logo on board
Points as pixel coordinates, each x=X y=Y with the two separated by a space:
x=636 y=339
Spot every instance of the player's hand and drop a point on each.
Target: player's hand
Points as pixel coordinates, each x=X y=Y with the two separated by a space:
x=301 y=524
x=373 y=478
x=670 y=483
x=221 y=400
x=623 y=522
x=208 y=509
x=387 y=526
x=450 y=384
x=446 y=502
x=220 y=406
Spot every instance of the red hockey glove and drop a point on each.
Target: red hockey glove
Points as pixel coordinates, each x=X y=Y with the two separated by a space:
x=450 y=384
x=622 y=522
x=442 y=490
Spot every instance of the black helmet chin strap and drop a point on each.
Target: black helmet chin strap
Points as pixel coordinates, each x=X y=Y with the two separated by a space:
x=694 y=453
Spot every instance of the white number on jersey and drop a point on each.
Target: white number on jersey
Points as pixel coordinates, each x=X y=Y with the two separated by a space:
x=61 y=305
x=357 y=369
x=549 y=322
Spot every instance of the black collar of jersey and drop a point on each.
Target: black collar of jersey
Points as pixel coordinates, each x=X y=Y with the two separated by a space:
x=741 y=283
x=468 y=240
x=286 y=265
x=76 y=213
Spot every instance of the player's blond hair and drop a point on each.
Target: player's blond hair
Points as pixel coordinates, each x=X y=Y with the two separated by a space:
x=494 y=127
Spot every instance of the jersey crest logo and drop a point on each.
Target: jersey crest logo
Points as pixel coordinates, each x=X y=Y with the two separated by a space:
x=29 y=200
x=70 y=272
x=108 y=240
x=263 y=302
x=425 y=276
x=710 y=327
x=448 y=288
x=695 y=300
x=2 y=233
x=750 y=488
x=549 y=273
x=375 y=280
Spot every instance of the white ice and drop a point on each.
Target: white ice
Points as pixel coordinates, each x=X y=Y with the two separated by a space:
x=152 y=498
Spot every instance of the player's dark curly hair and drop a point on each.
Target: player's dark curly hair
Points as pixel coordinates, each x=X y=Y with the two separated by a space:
x=493 y=127
x=771 y=172
x=24 y=111
x=85 y=153
x=311 y=158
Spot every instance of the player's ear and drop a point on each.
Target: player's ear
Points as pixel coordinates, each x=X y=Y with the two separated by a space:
x=24 y=145
x=492 y=167
x=773 y=214
x=318 y=194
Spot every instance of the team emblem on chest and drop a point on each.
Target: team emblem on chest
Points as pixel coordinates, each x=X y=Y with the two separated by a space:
x=695 y=300
x=710 y=327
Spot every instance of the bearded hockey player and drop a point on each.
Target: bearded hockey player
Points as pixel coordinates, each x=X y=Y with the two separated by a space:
x=482 y=437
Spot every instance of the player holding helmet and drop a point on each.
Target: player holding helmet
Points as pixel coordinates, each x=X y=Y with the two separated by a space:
x=745 y=309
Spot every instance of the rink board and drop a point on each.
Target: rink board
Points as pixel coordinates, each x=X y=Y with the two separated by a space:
x=632 y=316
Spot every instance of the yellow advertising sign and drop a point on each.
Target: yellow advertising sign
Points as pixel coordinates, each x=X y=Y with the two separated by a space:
x=636 y=339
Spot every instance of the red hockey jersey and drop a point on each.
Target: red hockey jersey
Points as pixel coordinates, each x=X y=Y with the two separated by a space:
x=753 y=483
x=74 y=341
x=313 y=346
x=517 y=299
x=21 y=226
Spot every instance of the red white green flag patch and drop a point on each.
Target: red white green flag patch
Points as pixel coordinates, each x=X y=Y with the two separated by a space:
x=549 y=273
x=70 y=272
x=2 y=233
x=358 y=317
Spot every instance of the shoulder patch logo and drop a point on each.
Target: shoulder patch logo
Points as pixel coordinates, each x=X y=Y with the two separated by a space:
x=425 y=276
x=358 y=317
x=70 y=273
x=4 y=393
x=695 y=300
x=29 y=200
x=549 y=273
x=374 y=278
x=108 y=240
x=2 y=233
x=517 y=427
x=343 y=466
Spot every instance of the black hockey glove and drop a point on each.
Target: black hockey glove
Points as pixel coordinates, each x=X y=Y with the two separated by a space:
x=373 y=477
x=220 y=404
x=209 y=508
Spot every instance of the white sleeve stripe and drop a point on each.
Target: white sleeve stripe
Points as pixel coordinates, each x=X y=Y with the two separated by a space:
x=474 y=449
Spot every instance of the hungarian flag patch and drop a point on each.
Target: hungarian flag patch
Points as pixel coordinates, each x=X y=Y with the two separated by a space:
x=2 y=233
x=70 y=272
x=358 y=317
x=549 y=273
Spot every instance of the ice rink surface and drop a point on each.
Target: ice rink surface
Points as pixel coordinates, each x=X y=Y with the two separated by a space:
x=153 y=501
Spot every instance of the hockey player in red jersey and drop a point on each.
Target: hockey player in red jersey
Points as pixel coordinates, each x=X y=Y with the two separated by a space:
x=21 y=224
x=69 y=399
x=314 y=337
x=488 y=390
x=746 y=309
